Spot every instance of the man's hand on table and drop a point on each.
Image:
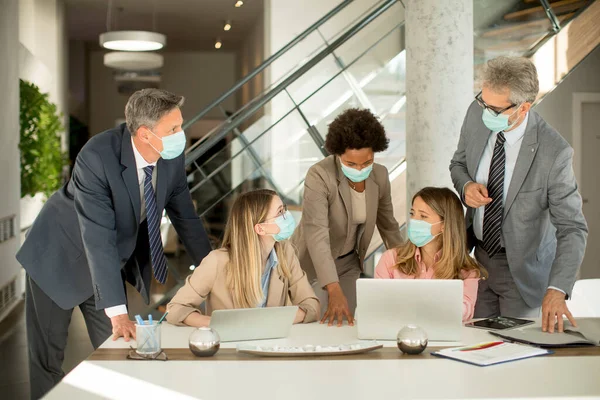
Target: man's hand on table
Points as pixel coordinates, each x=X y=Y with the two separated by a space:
x=554 y=307
x=122 y=326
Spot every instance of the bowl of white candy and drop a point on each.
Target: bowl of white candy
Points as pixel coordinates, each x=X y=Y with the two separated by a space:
x=309 y=350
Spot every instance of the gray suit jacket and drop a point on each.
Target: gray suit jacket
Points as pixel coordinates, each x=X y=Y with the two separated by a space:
x=88 y=240
x=327 y=210
x=543 y=229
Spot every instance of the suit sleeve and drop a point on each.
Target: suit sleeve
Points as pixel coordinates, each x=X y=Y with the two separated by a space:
x=315 y=215
x=567 y=217
x=458 y=164
x=96 y=215
x=184 y=218
x=386 y=222
x=301 y=293
x=195 y=291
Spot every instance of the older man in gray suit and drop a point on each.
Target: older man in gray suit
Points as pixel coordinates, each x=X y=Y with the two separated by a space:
x=515 y=174
x=103 y=228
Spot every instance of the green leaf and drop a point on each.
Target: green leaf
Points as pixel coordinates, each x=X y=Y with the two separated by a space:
x=42 y=159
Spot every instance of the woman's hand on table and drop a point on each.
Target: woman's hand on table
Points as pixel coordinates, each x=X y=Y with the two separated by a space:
x=337 y=306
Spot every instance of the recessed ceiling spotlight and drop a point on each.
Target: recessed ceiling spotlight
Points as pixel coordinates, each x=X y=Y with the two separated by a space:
x=218 y=44
x=227 y=26
x=239 y=3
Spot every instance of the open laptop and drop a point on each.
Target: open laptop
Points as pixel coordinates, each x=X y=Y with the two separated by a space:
x=253 y=323
x=384 y=306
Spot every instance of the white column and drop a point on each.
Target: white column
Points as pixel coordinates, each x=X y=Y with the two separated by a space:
x=10 y=171
x=439 y=85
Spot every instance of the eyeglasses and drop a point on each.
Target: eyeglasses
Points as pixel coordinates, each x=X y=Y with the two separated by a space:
x=492 y=110
x=282 y=212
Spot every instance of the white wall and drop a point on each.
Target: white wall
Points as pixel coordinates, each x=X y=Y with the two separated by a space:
x=199 y=76
x=10 y=173
x=556 y=107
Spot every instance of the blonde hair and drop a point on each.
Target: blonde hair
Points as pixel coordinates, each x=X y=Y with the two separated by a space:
x=455 y=257
x=244 y=269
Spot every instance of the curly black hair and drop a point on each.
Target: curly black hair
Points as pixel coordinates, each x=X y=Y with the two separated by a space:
x=355 y=129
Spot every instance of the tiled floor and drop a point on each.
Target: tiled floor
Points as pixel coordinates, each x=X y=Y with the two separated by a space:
x=14 y=374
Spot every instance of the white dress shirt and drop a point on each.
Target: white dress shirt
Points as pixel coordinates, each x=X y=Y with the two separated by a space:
x=140 y=164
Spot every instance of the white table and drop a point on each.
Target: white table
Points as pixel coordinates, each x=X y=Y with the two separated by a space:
x=264 y=379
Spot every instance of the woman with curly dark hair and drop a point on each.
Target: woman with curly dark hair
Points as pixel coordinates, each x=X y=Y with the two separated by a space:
x=345 y=196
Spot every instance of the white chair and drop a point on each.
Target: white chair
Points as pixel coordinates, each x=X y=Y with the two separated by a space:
x=585 y=300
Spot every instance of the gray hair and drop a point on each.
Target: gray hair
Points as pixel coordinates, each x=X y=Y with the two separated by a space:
x=517 y=74
x=147 y=106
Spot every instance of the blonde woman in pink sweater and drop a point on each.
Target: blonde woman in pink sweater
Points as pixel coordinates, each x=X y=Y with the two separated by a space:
x=437 y=246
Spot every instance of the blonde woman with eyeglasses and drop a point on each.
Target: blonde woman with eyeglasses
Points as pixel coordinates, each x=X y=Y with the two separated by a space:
x=255 y=267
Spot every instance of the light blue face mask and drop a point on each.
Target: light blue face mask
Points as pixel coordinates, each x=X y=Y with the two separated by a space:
x=355 y=175
x=286 y=224
x=173 y=145
x=499 y=122
x=419 y=232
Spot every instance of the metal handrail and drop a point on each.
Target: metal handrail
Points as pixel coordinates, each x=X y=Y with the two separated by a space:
x=260 y=102
x=268 y=62
x=324 y=84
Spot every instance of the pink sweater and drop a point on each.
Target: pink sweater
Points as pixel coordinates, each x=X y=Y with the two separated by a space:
x=385 y=270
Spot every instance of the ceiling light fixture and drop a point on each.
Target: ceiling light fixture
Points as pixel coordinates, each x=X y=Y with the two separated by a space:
x=133 y=61
x=227 y=26
x=239 y=3
x=131 y=40
x=218 y=44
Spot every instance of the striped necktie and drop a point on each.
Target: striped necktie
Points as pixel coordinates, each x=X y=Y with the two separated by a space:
x=493 y=214
x=157 y=255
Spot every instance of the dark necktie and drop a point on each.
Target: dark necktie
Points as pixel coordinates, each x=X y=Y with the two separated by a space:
x=157 y=255
x=492 y=217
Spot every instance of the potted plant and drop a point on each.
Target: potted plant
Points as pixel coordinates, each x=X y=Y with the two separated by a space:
x=42 y=158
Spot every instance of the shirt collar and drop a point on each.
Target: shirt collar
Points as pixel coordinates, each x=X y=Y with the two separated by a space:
x=140 y=162
x=272 y=260
x=517 y=134
x=436 y=258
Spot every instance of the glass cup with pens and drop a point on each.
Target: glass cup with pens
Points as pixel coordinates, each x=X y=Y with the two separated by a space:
x=148 y=337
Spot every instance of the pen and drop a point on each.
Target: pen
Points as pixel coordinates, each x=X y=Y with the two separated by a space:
x=139 y=320
x=480 y=346
x=150 y=322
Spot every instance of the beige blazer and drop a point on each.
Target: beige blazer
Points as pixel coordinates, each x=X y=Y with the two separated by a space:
x=326 y=214
x=209 y=283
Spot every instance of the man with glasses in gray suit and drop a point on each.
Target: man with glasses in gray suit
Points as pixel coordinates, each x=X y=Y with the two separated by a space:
x=514 y=173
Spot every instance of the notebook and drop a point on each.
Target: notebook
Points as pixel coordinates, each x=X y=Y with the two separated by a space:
x=490 y=353
x=587 y=333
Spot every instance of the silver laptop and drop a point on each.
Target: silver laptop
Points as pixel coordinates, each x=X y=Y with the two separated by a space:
x=384 y=306
x=253 y=323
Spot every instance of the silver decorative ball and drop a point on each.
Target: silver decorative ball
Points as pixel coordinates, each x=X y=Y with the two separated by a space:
x=412 y=339
x=204 y=342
